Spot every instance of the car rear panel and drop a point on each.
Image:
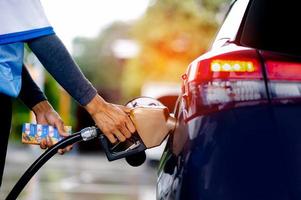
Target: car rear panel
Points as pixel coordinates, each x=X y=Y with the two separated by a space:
x=245 y=147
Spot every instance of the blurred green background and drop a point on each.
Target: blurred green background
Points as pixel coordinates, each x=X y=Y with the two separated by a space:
x=157 y=47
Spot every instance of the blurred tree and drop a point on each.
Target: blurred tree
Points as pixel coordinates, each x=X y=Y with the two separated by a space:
x=171 y=34
x=213 y=5
x=96 y=58
x=51 y=90
x=20 y=116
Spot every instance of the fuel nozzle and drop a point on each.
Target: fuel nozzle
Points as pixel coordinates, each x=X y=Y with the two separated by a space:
x=153 y=124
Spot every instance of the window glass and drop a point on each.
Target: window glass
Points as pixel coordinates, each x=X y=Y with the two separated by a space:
x=273 y=25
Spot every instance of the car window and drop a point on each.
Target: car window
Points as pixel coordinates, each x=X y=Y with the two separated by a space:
x=232 y=22
x=273 y=25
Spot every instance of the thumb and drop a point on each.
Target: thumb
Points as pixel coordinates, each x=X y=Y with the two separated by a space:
x=59 y=124
x=125 y=109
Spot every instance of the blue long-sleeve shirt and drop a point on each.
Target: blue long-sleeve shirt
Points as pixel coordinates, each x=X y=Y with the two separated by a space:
x=56 y=59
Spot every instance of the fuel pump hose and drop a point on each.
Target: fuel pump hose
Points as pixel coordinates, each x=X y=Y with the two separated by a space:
x=83 y=135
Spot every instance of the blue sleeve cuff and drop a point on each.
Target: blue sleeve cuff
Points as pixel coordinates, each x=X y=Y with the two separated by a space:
x=25 y=35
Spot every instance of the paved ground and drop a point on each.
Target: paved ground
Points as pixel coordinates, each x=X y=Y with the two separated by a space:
x=78 y=177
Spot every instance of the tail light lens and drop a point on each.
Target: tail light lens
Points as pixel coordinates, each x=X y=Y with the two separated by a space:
x=229 y=79
x=284 y=79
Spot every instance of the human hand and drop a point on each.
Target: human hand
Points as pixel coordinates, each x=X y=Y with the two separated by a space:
x=45 y=114
x=111 y=119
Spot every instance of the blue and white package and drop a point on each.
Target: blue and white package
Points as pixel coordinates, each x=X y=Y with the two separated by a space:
x=34 y=133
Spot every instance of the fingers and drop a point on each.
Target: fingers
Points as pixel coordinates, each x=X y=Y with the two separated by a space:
x=69 y=148
x=45 y=114
x=130 y=125
x=59 y=124
x=46 y=143
x=120 y=136
x=125 y=132
x=49 y=141
x=43 y=144
x=116 y=127
x=61 y=151
x=111 y=119
x=111 y=137
x=123 y=123
x=52 y=118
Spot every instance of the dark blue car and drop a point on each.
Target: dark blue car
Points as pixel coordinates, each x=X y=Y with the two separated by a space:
x=239 y=113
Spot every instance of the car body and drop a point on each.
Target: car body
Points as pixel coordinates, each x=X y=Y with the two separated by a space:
x=239 y=114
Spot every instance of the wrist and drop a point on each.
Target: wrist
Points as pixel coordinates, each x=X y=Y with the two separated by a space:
x=95 y=105
x=42 y=107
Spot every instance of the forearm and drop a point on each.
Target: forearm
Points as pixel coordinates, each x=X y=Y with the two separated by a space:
x=55 y=58
x=30 y=93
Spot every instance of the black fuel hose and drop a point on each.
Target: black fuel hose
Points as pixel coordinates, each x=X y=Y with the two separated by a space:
x=30 y=172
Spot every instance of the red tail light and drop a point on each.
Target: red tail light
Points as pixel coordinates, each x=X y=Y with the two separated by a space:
x=230 y=78
x=227 y=66
x=284 y=78
x=281 y=70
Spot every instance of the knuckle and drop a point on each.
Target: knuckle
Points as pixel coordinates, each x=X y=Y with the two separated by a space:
x=105 y=130
x=102 y=128
x=111 y=130
x=119 y=125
